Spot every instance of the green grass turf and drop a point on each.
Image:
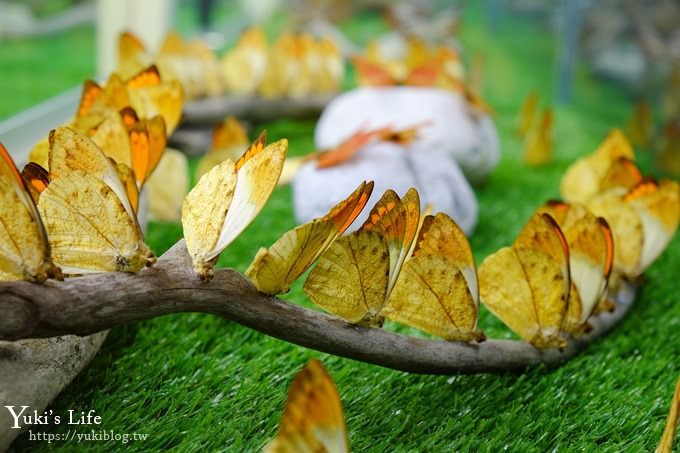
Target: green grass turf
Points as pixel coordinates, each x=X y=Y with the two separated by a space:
x=195 y=382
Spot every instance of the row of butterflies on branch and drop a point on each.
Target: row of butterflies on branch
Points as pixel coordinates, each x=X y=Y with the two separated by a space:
x=418 y=269
x=411 y=268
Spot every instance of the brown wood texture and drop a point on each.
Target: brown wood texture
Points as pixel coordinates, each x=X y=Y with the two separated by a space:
x=90 y=304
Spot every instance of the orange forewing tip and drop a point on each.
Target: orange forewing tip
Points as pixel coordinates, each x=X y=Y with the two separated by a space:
x=256 y=147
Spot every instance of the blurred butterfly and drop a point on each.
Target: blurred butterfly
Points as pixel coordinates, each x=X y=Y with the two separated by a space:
x=90 y=221
x=244 y=66
x=24 y=247
x=227 y=198
x=591 y=259
x=610 y=165
x=527 y=285
x=539 y=142
x=145 y=92
x=526 y=114
x=167 y=186
x=437 y=290
x=356 y=275
x=372 y=74
x=643 y=220
x=313 y=420
x=274 y=269
x=229 y=140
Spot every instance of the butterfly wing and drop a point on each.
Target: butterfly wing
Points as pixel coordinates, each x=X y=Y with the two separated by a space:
x=111 y=136
x=627 y=230
x=272 y=271
x=24 y=248
x=147 y=143
x=89 y=228
x=313 y=420
x=397 y=220
x=350 y=278
x=72 y=151
x=257 y=175
x=165 y=99
x=371 y=74
x=438 y=290
x=203 y=214
x=658 y=206
x=532 y=299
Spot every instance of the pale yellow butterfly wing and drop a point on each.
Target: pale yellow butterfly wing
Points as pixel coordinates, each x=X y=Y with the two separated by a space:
x=167 y=186
x=127 y=178
x=89 y=228
x=273 y=270
x=591 y=255
x=24 y=248
x=658 y=205
x=432 y=294
x=437 y=290
x=627 y=229
x=505 y=291
x=165 y=99
x=111 y=137
x=584 y=178
x=257 y=176
x=527 y=286
x=350 y=278
x=70 y=151
x=313 y=420
x=203 y=214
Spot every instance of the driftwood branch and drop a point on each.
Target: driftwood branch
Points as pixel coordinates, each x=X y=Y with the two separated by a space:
x=91 y=304
x=215 y=109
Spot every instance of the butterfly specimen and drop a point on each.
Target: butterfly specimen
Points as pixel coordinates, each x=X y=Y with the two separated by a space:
x=24 y=248
x=528 y=284
x=227 y=198
x=274 y=269
x=313 y=420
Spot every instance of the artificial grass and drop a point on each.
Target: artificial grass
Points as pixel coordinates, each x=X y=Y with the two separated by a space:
x=195 y=382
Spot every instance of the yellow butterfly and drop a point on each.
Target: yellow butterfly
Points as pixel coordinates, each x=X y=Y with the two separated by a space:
x=91 y=224
x=313 y=420
x=226 y=199
x=137 y=144
x=167 y=186
x=611 y=165
x=538 y=145
x=669 y=433
x=643 y=221
x=228 y=142
x=244 y=66
x=355 y=276
x=528 y=284
x=24 y=248
x=149 y=95
x=438 y=290
x=526 y=114
x=274 y=269
x=591 y=259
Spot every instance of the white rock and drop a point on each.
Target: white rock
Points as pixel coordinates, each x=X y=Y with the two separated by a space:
x=454 y=129
x=436 y=176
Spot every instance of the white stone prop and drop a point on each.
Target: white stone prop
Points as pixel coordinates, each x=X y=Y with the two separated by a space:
x=455 y=128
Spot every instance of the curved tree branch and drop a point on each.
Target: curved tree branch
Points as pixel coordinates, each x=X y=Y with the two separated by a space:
x=90 y=304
